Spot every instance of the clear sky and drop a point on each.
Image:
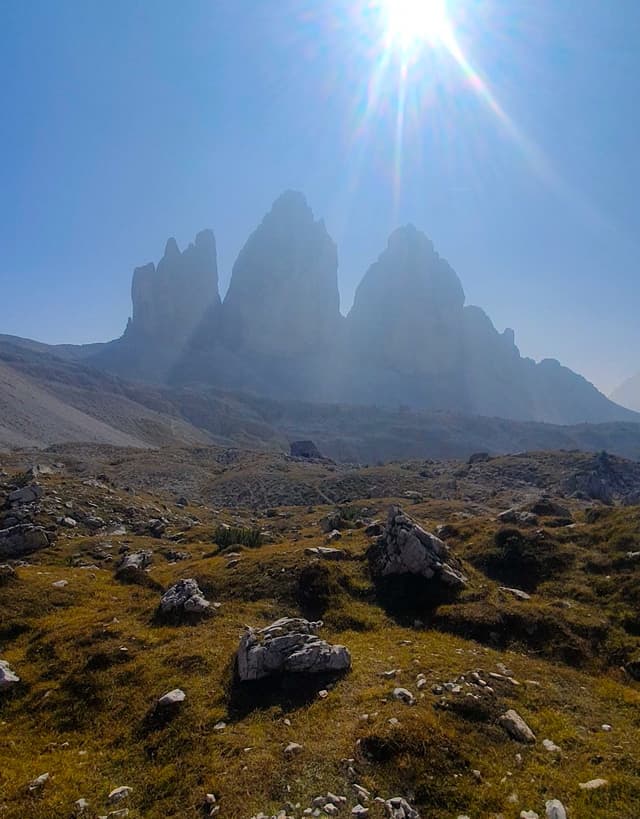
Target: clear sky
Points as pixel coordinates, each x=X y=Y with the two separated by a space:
x=124 y=122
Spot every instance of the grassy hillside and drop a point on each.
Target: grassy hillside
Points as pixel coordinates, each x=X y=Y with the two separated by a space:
x=94 y=658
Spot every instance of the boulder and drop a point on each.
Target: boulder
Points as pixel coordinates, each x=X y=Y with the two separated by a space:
x=26 y=494
x=332 y=522
x=593 y=784
x=479 y=458
x=518 y=516
x=136 y=560
x=326 y=552
x=119 y=794
x=305 y=449
x=516 y=727
x=7 y=676
x=288 y=646
x=399 y=808
x=172 y=698
x=554 y=809
x=404 y=695
x=22 y=539
x=547 y=507
x=406 y=548
x=184 y=596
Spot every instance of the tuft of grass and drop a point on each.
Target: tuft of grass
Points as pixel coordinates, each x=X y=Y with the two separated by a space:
x=226 y=536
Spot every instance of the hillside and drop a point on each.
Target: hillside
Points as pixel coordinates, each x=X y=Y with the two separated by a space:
x=546 y=626
x=159 y=416
x=46 y=401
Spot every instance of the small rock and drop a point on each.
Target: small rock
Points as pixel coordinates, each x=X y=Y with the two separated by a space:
x=60 y=584
x=363 y=794
x=593 y=784
x=548 y=745
x=555 y=809
x=39 y=782
x=119 y=794
x=528 y=814
x=517 y=593
x=80 y=806
x=293 y=748
x=516 y=727
x=7 y=675
x=399 y=808
x=172 y=698
x=606 y=727
x=403 y=695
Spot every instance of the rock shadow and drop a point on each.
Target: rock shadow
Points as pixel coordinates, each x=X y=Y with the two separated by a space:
x=408 y=597
x=287 y=691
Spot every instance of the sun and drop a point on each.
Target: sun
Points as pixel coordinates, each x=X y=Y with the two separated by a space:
x=411 y=23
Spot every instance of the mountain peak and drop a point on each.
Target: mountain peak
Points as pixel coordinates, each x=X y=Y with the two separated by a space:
x=283 y=297
x=171 y=249
x=170 y=301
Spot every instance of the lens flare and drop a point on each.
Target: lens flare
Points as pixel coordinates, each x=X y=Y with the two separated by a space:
x=412 y=23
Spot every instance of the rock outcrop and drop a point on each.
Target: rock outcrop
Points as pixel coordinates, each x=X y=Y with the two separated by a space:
x=406 y=548
x=22 y=539
x=171 y=300
x=304 y=449
x=283 y=296
x=289 y=645
x=184 y=597
x=407 y=312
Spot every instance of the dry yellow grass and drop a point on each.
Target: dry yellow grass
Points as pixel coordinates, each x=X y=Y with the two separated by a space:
x=81 y=711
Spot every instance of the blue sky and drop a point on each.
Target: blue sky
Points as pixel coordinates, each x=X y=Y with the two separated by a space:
x=126 y=122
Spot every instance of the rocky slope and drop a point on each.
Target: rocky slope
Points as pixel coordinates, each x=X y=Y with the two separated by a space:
x=166 y=657
x=106 y=408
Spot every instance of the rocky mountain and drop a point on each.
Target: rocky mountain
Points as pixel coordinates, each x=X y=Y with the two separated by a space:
x=628 y=393
x=283 y=297
x=412 y=334
x=170 y=302
x=409 y=340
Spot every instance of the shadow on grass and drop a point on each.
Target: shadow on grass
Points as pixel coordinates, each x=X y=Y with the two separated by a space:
x=407 y=597
x=288 y=692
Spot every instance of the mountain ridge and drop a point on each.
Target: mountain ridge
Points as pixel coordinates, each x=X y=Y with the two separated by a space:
x=409 y=339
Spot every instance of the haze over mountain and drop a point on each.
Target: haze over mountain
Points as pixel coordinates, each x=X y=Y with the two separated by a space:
x=628 y=393
x=409 y=339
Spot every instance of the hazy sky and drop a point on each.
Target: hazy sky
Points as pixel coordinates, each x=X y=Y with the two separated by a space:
x=126 y=122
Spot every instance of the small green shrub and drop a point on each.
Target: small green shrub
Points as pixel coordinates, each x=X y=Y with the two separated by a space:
x=236 y=535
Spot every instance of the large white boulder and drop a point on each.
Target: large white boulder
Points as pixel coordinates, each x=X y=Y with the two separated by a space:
x=288 y=645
